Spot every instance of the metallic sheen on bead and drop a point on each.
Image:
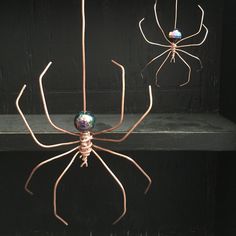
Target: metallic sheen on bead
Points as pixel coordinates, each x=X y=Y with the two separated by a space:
x=175 y=34
x=84 y=121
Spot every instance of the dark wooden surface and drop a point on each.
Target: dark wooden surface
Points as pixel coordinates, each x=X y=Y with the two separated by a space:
x=157 y=132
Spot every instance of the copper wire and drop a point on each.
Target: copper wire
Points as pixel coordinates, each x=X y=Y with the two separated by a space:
x=31 y=131
x=200 y=27
x=85 y=138
x=135 y=125
x=56 y=186
x=122 y=103
x=174 y=47
x=129 y=159
x=43 y=163
x=118 y=182
x=83 y=56
x=45 y=103
x=85 y=147
x=158 y=23
x=176 y=13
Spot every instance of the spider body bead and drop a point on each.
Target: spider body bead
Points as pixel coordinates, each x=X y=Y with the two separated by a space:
x=84 y=121
x=175 y=34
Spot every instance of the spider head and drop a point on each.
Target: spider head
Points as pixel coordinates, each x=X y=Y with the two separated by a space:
x=175 y=34
x=84 y=121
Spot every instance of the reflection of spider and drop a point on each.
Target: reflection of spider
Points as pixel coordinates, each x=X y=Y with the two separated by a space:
x=175 y=37
x=84 y=122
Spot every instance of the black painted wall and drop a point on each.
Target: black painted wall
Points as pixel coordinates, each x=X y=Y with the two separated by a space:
x=228 y=82
x=225 y=223
x=35 y=32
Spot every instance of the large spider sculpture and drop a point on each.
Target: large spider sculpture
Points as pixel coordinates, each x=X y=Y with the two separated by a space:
x=84 y=121
x=174 y=47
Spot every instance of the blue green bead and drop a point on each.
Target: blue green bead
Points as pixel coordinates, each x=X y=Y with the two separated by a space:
x=175 y=34
x=84 y=121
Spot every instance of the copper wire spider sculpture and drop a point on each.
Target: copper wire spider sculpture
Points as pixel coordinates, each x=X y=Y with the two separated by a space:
x=84 y=122
x=174 y=39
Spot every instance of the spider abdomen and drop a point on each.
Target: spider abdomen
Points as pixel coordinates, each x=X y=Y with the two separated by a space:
x=85 y=146
x=173 y=50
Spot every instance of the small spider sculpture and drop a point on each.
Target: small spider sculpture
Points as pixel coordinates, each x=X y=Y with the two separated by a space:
x=174 y=39
x=84 y=121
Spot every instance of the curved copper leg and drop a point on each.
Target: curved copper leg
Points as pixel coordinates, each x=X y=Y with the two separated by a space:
x=122 y=103
x=189 y=70
x=55 y=189
x=199 y=30
x=118 y=182
x=43 y=163
x=191 y=55
x=158 y=23
x=161 y=67
x=134 y=126
x=196 y=44
x=151 y=61
x=148 y=41
x=131 y=160
x=45 y=103
x=31 y=131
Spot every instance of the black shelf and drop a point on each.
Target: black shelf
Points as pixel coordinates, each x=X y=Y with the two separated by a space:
x=202 y=132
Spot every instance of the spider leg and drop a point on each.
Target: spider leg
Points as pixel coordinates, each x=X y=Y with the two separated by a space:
x=122 y=103
x=161 y=67
x=191 y=55
x=31 y=131
x=196 y=44
x=131 y=160
x=55 y=189
x=118 y=182
x=134 y=126
x=158 y=23
x=199 y=30
x=148 y=41
x=45 y=103
x=189 y=70
x=43 y=163
x=151 y=61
